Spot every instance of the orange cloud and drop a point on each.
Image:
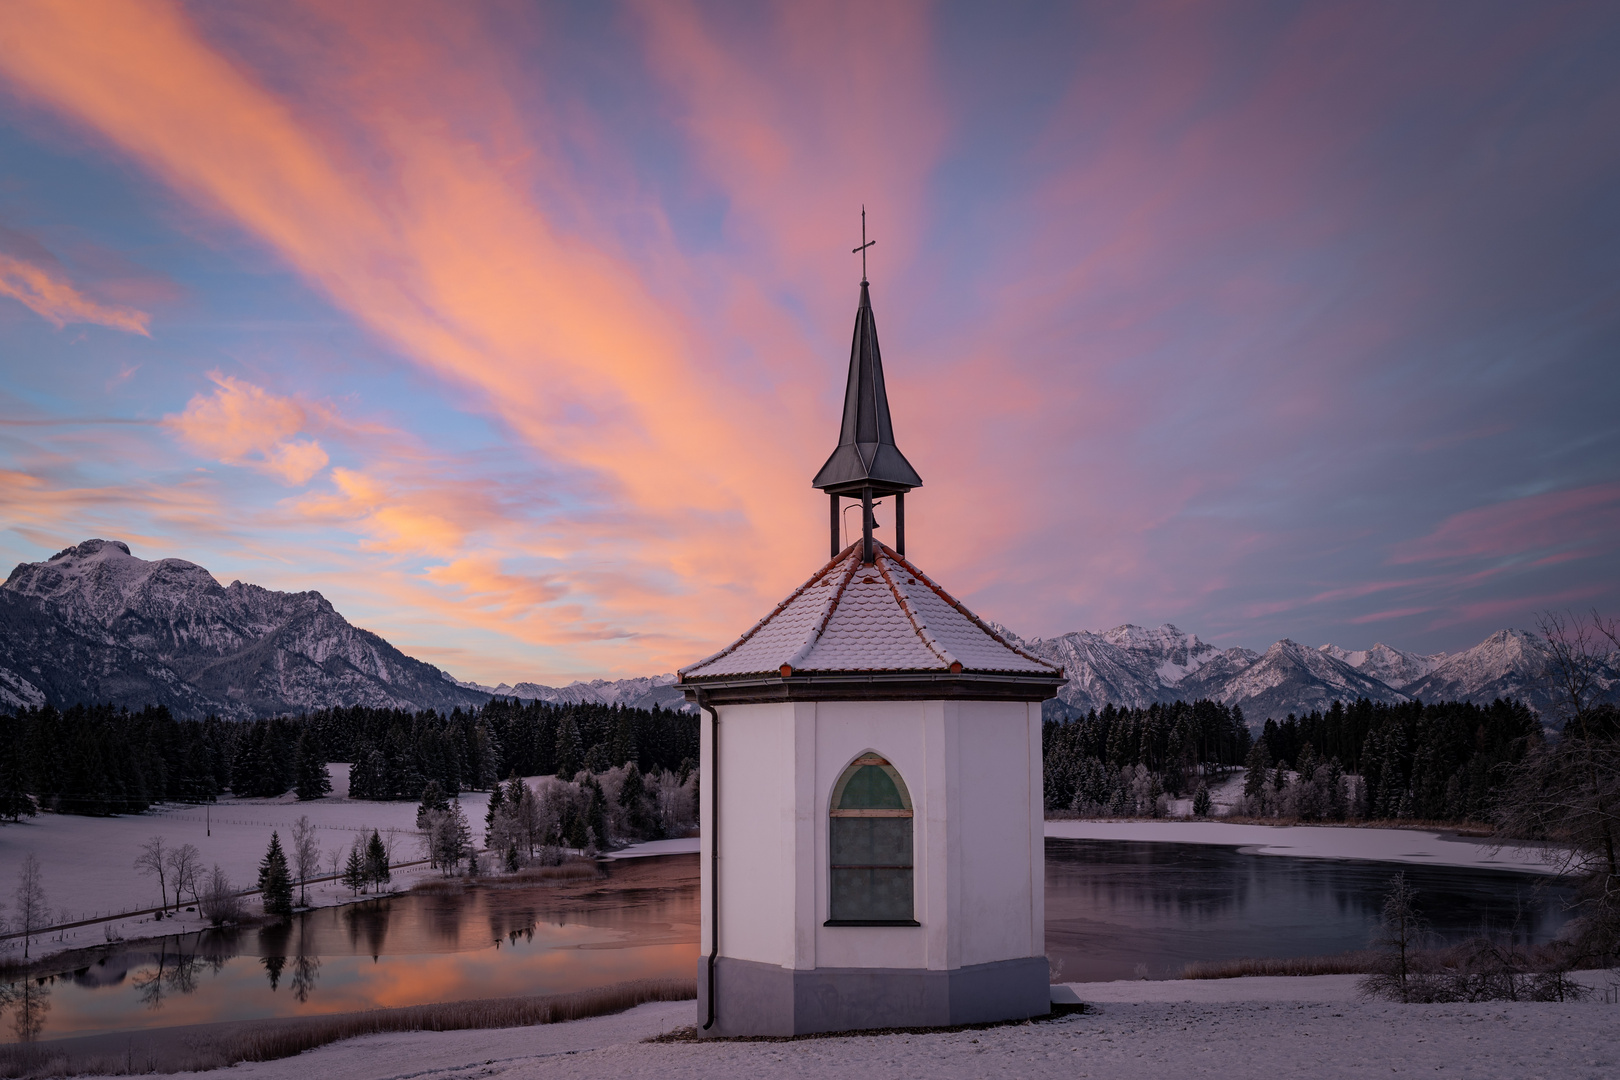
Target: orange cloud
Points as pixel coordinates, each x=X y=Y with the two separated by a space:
x=445 y=250
x=243 y=424
x=54 y=299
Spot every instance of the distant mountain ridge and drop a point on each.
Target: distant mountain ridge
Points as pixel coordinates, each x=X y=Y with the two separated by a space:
x=645 y=692
x=1137 y=667
x=94 y=623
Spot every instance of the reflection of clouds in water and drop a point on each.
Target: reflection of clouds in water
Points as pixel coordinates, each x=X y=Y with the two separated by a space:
x=386 y=952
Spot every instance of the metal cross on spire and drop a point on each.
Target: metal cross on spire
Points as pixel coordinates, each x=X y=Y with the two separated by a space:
x=865 y=243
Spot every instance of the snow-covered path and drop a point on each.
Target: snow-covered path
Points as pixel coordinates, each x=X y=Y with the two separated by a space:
x=1317 y=842
x=1255 y=1035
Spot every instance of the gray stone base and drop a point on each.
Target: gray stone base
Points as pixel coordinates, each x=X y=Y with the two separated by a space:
x=763 y=999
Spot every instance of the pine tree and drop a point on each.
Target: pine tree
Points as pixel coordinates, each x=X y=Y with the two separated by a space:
x=1201 y=801
x=633 y=797
x=14 y=800
x=1256 y=767
x=596 y=812
x=497 y=800
x=433 y=798
x=354 y=871
x=623 y=748
x=309 y=769
x=570 y=751
x=377 y=870
x=275 y=882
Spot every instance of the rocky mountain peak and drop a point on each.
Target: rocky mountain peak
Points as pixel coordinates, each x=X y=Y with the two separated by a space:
x=243 y=650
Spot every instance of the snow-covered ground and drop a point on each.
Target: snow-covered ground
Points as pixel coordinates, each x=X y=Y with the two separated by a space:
x=1135 y=1031
x=1317 y=842
x=88 y=868
x=685 y=845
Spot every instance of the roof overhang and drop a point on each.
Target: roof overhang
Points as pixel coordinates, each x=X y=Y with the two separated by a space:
x=875 y=686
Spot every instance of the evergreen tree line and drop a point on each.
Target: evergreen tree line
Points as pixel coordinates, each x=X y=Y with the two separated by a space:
x=95 y=759
x=1445 y=761
x=1122 y=761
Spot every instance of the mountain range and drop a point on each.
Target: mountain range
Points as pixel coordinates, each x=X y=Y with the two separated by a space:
x=1134 y=666
x=95 y=623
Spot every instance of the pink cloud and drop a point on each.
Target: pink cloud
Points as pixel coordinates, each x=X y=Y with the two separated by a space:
x=48 y=294
x=1520 y=527
x=243 y=424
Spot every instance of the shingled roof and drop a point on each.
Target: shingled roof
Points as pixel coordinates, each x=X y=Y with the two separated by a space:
x=887 y=616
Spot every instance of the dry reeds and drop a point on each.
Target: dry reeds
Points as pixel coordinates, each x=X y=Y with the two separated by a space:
x=574 y=870
x=272 y=1039
x=1351 y=963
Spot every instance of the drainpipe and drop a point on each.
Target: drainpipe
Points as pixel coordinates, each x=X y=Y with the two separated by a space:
x=714 y=846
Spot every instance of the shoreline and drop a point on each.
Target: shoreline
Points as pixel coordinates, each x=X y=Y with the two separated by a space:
x=1129 y=1030
x=1382 y=842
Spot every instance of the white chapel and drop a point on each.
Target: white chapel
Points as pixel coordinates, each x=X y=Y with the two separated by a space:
x=872 y=809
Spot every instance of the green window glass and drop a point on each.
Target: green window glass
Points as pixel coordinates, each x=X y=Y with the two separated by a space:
x=869 y=836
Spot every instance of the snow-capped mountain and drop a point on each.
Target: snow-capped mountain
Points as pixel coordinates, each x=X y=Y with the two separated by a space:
x=1289 y=677
x=1135 y=667
x=166 y=631
x=1509 y=663
x=95 y=623
x=1392 y=667
x=640 y=693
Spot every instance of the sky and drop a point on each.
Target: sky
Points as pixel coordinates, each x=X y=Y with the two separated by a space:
x=519 y=330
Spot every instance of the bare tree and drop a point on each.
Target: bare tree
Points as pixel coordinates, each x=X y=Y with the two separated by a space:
x=1577 y=657
x=32 y=914
x=185 y=863
x=153 y=860
x=1400 y=931
x=219 y=902
x=306 y=855
x=1568 y=790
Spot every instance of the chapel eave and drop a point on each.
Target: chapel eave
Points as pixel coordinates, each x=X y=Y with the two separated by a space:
x=872 y=686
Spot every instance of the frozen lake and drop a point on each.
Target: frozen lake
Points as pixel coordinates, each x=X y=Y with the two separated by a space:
x=1115 y=909
x=1122 y=909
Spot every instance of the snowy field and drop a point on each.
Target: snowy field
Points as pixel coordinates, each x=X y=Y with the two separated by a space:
x=1413 y=846
x=88 y=863
x=1136 y=1031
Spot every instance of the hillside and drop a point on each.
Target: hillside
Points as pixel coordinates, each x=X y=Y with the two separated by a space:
x=96 y=623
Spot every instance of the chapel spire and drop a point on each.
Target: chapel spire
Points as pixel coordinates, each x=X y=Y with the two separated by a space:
x=867 y=463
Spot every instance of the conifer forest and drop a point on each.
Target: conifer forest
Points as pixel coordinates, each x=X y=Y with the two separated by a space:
x=97 y=760
x=1444 y=761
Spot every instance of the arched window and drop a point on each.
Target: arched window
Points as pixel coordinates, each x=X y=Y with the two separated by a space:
x=869 y=837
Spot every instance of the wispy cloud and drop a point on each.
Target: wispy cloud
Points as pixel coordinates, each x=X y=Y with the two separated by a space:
x=48 y=294
x=1185 y=317
x=1533 y=525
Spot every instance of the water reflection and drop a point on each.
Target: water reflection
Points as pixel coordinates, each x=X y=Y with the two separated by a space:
x=484 y=942
x=29 y=1002
x=1119 y=910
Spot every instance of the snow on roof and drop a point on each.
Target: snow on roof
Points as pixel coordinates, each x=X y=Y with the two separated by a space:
x=885 y=617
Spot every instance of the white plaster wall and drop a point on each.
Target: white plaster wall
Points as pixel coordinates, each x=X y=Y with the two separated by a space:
x=757 y=833
x=994 y=918
x=973 y=771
